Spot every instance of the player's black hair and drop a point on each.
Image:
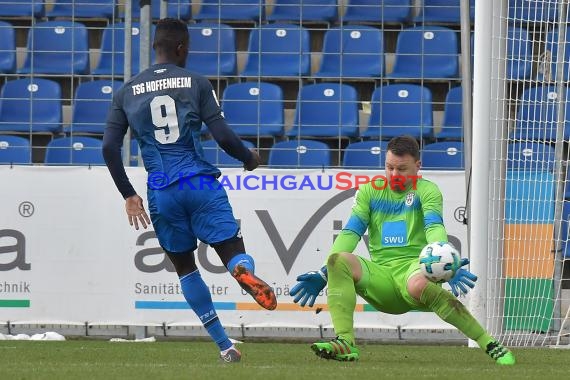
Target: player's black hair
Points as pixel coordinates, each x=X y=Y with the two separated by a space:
x=169 y=34
x=402 y=145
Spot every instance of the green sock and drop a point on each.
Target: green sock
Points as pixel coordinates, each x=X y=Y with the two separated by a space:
x=341 y=297
x=451 y=310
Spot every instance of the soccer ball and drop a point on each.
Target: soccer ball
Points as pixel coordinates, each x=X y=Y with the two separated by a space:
x=439 y=261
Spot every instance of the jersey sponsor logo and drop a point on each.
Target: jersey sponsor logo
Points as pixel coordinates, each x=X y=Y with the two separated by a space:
x=410 y=199
x=394 y=234
x=393 y=240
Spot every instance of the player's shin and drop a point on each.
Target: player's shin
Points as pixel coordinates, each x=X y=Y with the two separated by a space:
x=448 y=308
x=341 y=297
x=198 y=297
x=451 y=310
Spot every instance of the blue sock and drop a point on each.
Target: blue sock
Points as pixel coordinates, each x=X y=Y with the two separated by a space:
x=242 y=259
x=198 y=297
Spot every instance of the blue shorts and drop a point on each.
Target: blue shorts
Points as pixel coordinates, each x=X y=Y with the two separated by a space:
x=189 y=210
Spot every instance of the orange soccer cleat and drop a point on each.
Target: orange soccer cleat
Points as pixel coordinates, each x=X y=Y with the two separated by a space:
x=256 y=287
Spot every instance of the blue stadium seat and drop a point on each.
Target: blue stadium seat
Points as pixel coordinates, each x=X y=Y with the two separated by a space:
x=299 y=153
x=447 y=155
x=519 y=54
x=75 y=150
x=232 y=10
x=254 y=108
x=91 y=105
x=278 y=50
x=212 y=49
x=443 y=11
x=112 y=49
x=218 y=157
x=537 y=114
x=533 y=11
x=381 y=11
x=304 y=10
x=452 y=124
x=83 y=9
x=365 y=155
x=429 y=52
x=400 y=109
x=57 y=47
x=30 y=105
x=7 y=48
x=14 y=150
x=352 y=52
x=176 y=9
x=326 y=110
x=22 y=8
x=548 y=72
x=530 y=156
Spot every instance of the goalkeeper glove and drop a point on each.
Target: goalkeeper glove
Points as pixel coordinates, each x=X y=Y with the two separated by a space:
x=309 y=286
x=462 y=279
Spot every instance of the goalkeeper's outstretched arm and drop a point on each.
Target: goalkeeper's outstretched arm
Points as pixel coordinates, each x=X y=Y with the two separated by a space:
x=432 y=208
x=310 y=284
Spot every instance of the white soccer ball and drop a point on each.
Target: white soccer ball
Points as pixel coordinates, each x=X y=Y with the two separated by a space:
x=439 y=261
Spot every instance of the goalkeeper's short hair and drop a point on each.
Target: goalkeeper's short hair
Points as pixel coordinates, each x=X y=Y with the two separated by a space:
x=402 y=145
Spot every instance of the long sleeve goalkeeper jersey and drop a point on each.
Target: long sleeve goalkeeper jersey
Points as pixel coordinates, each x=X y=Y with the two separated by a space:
x=399 y=223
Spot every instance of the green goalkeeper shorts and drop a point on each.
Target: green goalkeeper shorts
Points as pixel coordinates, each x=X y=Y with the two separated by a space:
x=385 y=286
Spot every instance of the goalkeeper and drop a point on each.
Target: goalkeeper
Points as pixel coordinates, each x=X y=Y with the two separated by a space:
x=401 y=220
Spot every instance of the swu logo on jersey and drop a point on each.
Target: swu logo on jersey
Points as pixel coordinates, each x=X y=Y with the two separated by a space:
x=394 y=234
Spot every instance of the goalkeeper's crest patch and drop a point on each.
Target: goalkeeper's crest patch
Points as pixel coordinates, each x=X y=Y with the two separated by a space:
x=410 y=199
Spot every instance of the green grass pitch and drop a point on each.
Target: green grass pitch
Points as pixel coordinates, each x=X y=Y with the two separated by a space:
x=85 y=359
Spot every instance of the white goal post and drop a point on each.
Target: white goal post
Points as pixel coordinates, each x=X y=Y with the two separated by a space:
x=517 y=223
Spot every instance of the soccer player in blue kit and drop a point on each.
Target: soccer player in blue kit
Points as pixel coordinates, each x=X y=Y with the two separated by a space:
x=165 y=107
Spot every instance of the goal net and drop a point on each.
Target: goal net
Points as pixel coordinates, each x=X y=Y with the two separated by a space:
x=526 y=60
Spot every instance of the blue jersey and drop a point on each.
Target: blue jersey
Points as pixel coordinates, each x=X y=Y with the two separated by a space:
x=165 y=107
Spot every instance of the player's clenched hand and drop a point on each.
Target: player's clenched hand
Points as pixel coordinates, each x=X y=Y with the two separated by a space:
x=254 y=161
x=308 y=287
x=462 y=280
x=136 y=212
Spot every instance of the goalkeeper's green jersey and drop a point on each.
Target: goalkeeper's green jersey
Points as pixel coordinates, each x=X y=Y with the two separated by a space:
x=399 y=223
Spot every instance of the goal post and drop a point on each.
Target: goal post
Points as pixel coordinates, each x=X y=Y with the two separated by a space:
x=517 y=228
